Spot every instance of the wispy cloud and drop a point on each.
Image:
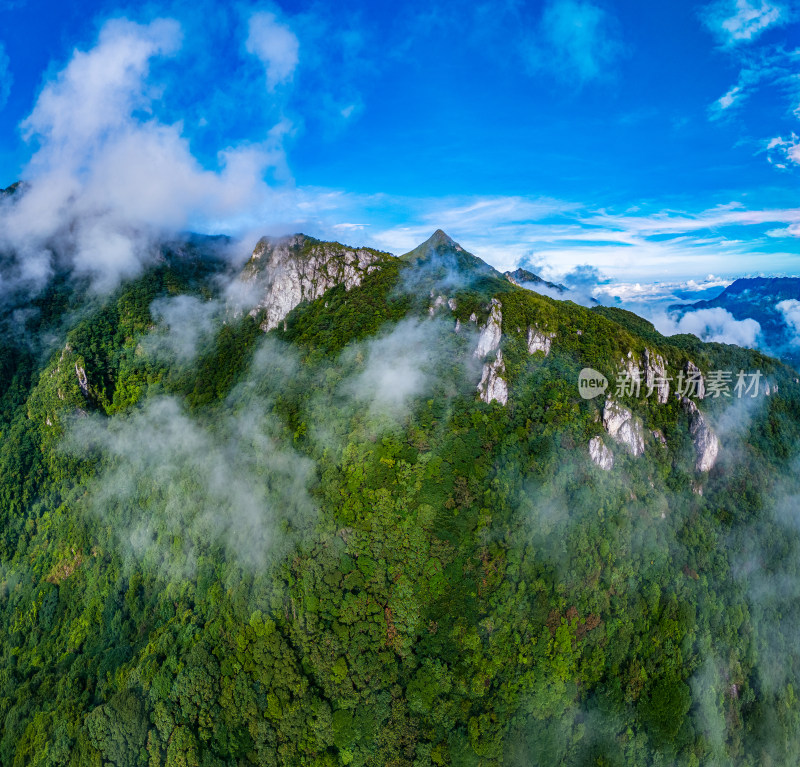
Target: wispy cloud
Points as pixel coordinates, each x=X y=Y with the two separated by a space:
x=630 y=245
x=771 y=66
x=782 y=153
x=725 y=102
x=735 y=22
x=575 y=40
x=674 y=222
x=274 y=43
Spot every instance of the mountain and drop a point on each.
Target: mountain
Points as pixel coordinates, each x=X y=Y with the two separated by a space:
x=525 y=279
x=290 y=270
x=335 y=506
x=10 y=190
x=760 y=299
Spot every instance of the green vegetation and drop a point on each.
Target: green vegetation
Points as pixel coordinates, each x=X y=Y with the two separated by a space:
x=274 y=552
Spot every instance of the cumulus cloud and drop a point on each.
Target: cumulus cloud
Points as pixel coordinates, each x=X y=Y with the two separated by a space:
x=108 y=180
x=5 y=77
x=575 y=39
x=740 y=21
x=275 y=45
x=716 y=324
x=583 y=281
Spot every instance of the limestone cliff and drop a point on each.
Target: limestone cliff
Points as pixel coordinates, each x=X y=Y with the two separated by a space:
x=706 y=442
x=623 y=427
x=294 y=269
x=600 y=454
x=493 y=387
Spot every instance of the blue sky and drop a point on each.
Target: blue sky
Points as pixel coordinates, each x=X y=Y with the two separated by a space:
x=652 y=141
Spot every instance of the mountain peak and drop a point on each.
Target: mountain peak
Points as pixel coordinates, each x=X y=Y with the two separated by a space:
x=437 y=245
x=525 y=279
x=440 y=237
x=443 y=261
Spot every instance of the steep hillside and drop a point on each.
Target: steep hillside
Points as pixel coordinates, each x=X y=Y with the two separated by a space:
x=347 y=508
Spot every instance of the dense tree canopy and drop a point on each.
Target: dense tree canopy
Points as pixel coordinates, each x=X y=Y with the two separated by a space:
x=318 y=546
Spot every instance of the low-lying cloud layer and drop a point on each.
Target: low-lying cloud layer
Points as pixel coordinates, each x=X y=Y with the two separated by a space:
x=172 y=489
x=714 y=324
x=399 y=366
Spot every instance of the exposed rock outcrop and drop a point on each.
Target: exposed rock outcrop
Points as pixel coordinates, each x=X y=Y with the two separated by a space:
x=539 y=341
x=659 y=435
x=436 y=302
x=623 y=428
x=600 y=454
x=655 y=375
x=706 y=442
x=694 y=381
x=489 y=339
x=299 y=268
x=493 y=387
x=83 y=381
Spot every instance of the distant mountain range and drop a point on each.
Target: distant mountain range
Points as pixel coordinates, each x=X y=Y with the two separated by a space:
x=768 y=301
x=526 y=279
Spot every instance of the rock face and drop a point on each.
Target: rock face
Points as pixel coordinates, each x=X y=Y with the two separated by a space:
x=600 y=454
x=436 y=302
x=655 y=375
x=489 y=339
x=299 y=268
x=694 y=379
x=706 y=442
x=623 y=428
x=83 y=381
x=538 y=341
x=493 y=387
x=632 y=368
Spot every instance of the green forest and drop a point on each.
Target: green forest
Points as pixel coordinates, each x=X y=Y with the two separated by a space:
x=318 y=546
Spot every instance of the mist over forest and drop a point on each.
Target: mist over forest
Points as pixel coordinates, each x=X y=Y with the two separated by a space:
x=289 y=475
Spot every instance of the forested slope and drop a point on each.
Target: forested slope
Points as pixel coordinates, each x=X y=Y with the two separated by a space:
x=320 y=545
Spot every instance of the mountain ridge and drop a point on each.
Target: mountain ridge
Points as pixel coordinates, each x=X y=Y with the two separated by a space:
x=387 y=527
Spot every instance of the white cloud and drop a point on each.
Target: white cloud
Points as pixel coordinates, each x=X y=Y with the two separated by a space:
x=576 y=40
x=275 y=45
x=658 y=293
x=740 y=21
x=6 y=79
x=717 y=325
x=672 y=222
x=628 y=246
x=790 y=309
x=734 y=96
x=398 y=366
x=781 y=152
x=109 y=179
